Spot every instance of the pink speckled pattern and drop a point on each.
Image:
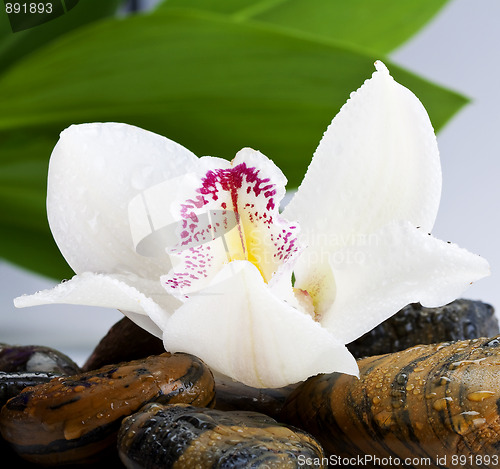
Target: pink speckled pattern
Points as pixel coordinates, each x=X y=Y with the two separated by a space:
x=244 y=224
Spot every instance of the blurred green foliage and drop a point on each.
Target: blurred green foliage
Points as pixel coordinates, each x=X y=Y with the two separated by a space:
x=213 y=75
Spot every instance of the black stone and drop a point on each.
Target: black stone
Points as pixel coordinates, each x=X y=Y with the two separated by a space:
x=125 y=341
x=36 y=358
x=459 y=320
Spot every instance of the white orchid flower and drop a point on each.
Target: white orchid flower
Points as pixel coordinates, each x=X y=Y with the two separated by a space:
x=223 y=289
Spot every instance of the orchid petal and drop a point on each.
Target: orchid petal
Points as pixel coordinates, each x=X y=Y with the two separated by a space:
x=242 y=330
x=136 y=298
x=378 y=161
x=244 y=199
x=394 y=267
x=95 y=170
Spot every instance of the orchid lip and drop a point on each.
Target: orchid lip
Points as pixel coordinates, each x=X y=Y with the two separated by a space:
x=246 y=224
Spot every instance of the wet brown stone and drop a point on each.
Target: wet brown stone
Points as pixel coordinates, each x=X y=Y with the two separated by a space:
x=75 y=419
x=428 y=400
x=184 y=436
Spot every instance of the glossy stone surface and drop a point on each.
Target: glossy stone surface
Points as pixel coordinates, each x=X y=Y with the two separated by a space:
x=33 y=358
x=75 y=419
x=184 y=436
x=428 y=400
x=459 y=320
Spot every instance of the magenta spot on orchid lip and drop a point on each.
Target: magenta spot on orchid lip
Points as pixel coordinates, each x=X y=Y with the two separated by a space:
x=199 y=202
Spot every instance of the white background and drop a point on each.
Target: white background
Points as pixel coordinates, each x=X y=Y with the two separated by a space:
x=458 y=49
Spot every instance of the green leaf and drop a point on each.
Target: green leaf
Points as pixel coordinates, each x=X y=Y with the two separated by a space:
x=24 y=232
x=374 y=25
x=21 y=194
x=33 y=250
x=204 y=80
x=201 y=79
x=14 y=46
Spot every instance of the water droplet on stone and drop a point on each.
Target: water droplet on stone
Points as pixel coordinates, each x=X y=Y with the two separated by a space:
x=443 y=380
x=441 y=404
x=479 y=396
x=493 y=343
x=479 y=422
x=402 y=378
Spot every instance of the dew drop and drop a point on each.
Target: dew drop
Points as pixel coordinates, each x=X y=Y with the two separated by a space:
x=493 y=343
x=469 y=413
x=479 y=422
x=479 y=396
x=402 y=378
x=441 y=404
x=443 y=380
x=441 y=346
